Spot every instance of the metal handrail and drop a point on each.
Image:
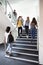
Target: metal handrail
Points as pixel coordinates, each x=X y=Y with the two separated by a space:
x=9 y=5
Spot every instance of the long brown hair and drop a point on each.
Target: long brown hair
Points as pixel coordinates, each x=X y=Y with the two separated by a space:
x=34 y=21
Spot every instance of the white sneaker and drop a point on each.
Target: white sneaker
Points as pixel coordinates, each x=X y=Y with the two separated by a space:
x=27 y=36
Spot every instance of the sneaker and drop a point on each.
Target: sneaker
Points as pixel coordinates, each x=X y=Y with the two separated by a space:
x=27 y=36
x=7 y=52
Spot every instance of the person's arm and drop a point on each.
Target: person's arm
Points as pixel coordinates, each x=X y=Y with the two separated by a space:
x=36 y=24
x=5 y=42
x=4 y=39
x=25 y=22
x=31 y=24
x=22 y=21
x=17 y=22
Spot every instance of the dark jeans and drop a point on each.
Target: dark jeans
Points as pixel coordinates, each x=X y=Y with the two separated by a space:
x=19 y=31
x=26 y=29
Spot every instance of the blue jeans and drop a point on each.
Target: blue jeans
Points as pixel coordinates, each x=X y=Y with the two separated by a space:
x=33 y=31
x=9 y=47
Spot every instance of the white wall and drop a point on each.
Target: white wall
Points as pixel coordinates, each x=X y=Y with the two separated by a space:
x=26 y=8
x=4 y=22
x=41 y=33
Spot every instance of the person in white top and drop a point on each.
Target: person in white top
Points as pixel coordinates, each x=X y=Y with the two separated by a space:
x=7 y=31
x=6 y=36
x=27 y=25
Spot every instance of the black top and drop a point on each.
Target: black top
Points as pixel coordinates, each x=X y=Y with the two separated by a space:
x=10 y=38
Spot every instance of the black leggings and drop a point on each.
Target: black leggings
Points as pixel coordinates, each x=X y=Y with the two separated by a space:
x=26 y=29
x=19 y=31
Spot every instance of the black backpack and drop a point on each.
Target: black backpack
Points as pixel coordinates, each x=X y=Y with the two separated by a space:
x=10 y=38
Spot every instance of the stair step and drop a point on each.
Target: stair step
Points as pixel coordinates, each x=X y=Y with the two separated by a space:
x=26 y=36
x=26 y=42
x=22 y=59
x=28 y=47
x=20 y=44
x=24 y=48
x=28 y=32
x=26 y=39
x=25 y=53
x=25 y=56
x=29 y=35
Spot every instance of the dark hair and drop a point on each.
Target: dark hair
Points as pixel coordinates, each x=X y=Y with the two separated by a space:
x=19 y=17
x=7 y=29
x=34 y=21
x=14 y=12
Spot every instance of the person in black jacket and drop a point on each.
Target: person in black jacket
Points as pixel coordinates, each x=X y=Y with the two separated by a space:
x=10 y=41
x=10 y=38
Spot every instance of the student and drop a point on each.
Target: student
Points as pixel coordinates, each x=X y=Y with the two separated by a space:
x=33 y=27
x=10 y=41
x=7 y=31
x=15 y=14
x=19 y=25
x=27 y=25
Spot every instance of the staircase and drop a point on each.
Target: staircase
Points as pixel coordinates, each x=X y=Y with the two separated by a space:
x=25 y=49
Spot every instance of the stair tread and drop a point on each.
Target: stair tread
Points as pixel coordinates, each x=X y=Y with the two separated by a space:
x=29 y=41
x=24 y=53
x=26 y=57
x=26 y=38
x=19 y=58
x=24 y=48
x=25 y=44
x=28 y=47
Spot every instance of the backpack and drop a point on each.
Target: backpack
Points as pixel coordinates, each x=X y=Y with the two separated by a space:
x=10 y=38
